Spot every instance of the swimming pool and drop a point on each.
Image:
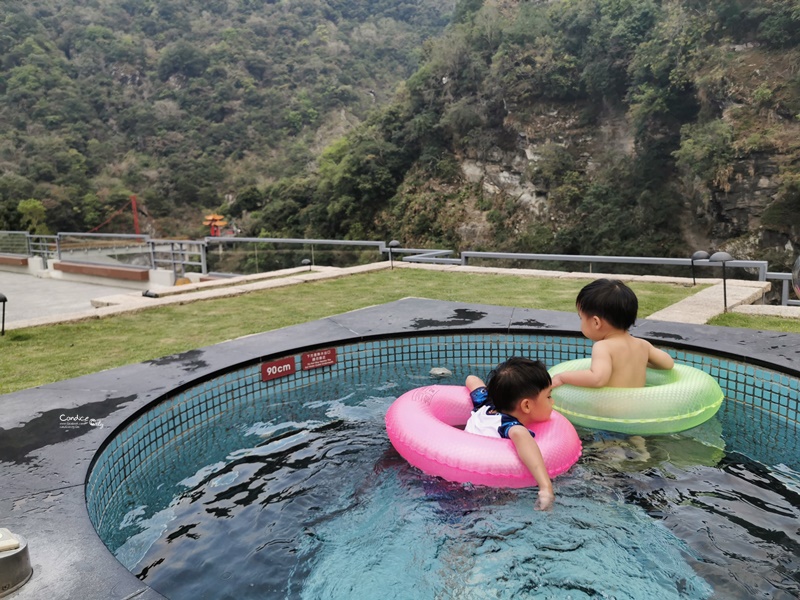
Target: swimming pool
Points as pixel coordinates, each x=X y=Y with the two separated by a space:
x=275 y=479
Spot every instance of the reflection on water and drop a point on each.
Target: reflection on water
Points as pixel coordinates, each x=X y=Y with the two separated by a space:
x=320 y=506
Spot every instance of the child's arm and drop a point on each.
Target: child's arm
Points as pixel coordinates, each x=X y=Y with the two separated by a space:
x=658 y=359
x=474 y=382
x=598 y=375
x=477 y=391
x=531 y=456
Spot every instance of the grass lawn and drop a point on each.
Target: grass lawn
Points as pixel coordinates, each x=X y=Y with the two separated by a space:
x=756 y=322
x=40 y=355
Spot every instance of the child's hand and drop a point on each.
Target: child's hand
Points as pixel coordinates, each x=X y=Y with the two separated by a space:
x=545 y=500
x=557 y=381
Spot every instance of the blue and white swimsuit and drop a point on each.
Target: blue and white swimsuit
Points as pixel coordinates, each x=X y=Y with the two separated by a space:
x=486 y=419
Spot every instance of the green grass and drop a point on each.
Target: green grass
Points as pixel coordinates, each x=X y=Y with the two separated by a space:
x=757 y=322
x=40 y=355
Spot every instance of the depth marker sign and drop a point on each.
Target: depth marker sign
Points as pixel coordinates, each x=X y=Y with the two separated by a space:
x=277 y=368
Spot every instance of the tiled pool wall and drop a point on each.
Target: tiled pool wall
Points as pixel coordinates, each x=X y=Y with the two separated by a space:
x=147 y=444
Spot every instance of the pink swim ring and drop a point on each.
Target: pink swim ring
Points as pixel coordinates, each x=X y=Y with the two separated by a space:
x=421 y=426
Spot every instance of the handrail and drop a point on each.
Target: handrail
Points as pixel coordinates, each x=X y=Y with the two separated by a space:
x=423 y=255
x=416 y=255
x=306 y=242
x=761 y=265
x=785 y=279
x=179 y=252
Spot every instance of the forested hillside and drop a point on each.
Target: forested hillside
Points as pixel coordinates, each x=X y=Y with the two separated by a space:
x=632 y=127
x=581 y=126
x=185 y=102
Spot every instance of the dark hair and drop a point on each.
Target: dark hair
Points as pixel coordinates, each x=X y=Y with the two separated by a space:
x=611 y=300
x=515 y=379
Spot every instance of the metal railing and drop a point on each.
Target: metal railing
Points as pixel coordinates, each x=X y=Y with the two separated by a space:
x=759 y=265
x=92 y=248
x=378 y=245
x=263 y=254
x=177 y=255
x=45 y=246
x=786 y=283
x=26 y=244
x=183 y=255
x=421 y=255
x=14 y=242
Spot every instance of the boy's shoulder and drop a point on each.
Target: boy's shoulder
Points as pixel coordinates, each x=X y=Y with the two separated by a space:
x=621 y=343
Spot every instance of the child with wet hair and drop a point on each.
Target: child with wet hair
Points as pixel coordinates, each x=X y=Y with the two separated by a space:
x=516 y=395
x=607 y=309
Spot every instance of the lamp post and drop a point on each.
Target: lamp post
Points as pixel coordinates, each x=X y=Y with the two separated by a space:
x=306 y=263
x=699 y=255
x=3 y=301
x=722 y=257
x=392 y=244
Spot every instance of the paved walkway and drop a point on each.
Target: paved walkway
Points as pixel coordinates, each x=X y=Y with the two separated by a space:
x=36 y=301
x=701 y=307
x=30 y=298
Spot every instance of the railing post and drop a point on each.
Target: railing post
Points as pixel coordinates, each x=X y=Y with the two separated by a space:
x=152 y=246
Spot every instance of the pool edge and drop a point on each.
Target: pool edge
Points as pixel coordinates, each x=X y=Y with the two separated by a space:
x=45 y=465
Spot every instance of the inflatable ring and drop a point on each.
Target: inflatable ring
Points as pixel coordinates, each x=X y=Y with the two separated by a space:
x=421 y=426
x=671 y=401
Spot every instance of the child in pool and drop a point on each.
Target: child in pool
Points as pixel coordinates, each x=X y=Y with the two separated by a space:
x=517 y=394
x=607 y=309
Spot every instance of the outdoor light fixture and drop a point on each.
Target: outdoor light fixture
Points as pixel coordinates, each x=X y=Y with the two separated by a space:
x=3 y=301
x=392 y=244
x=722 y=257
x=306 y=263
x=15 y=562
x=699 y=255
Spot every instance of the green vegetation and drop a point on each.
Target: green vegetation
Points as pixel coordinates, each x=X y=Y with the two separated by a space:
x=490 y=85
x=756 y=322
x=353 y=119
x=40 y=355
x=184 y=102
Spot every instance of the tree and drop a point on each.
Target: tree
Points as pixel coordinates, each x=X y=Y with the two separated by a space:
x=181 y=58
x=33 y=216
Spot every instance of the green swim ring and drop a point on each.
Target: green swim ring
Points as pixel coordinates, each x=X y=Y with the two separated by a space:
x=671 y=401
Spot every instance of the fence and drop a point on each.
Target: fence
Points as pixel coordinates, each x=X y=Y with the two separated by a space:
x=252 y=255
x=183 y=256
x=786 y=283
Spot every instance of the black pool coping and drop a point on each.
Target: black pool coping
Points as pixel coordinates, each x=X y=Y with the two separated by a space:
x=44 y=466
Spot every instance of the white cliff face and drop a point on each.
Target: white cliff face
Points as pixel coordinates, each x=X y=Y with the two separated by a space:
x=732 y=212
x=496 y=179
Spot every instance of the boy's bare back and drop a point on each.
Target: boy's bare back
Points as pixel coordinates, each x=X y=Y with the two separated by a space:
x=622 y=360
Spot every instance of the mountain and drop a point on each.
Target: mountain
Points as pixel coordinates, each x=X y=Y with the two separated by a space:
x=185 y=102
x=638 y=127
x=632 y=127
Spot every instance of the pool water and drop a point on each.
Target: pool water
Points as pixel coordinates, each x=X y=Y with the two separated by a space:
x=313 y=502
